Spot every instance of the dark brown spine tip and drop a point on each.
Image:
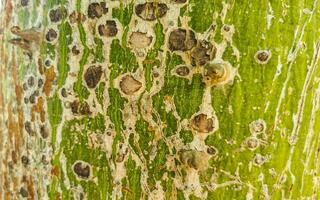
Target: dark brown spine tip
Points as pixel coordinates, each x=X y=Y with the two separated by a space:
x=82 y=170
x=92 y=76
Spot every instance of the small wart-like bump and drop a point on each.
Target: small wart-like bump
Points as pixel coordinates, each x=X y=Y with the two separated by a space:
x=85 y=109
x=215 y=72
x=51 y=35
x=81 y=169
x=182 y=40
x=218 y=73
x=150 y=11
x=47 y=63
x=40 y=83
x=258 y=126
x=28 y=128
x=129 y=85
x=202 y=53
x=77 y=108
x=262 y=56
x=212 y=151
x=96 y=10
x=23 y=192
x=74 y=106
x=109 y=29
x=202 y=123
x=25 y=86
x=15 y=29
x=183 y=70
x=93 y=75
x=44 y=132
x=77 y=17
x=259 y=160
x=75 y=50
x=64 y=92
x=226 y=28
x=140 y=40
x=24 y=2
x=33 y=98
x=195 y=159
x=120 y=158
x=25 y=160
x=252 y=143
x=31 y=81
x=26 y=100
x=56 y=15
x=44 y=160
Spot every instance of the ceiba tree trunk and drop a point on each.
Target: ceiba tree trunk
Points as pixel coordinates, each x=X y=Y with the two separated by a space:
x=180 y=99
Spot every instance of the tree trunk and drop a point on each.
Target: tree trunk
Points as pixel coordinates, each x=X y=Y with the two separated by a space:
x=160 y=100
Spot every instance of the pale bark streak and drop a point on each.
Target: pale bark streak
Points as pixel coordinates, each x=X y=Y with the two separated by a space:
x=290 y=60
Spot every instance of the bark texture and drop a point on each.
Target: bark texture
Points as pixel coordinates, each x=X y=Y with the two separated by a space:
x=172 y=99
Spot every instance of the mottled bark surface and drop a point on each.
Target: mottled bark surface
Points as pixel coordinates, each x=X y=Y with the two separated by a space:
x=175 y=99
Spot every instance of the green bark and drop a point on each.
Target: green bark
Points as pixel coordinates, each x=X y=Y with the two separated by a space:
x=132 y=128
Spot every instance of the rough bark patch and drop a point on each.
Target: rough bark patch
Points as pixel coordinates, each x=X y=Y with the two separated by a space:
x=129 y=85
